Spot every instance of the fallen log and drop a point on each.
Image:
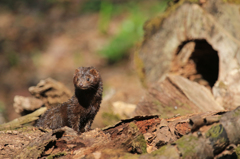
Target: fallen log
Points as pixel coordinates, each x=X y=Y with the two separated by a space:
x=200 y=135
x=19 y=122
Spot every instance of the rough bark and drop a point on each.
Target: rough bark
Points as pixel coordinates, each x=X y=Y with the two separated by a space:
x=192 y=44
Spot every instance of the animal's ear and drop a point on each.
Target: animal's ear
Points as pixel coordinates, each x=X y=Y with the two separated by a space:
x=76 y=71
x=94 y=72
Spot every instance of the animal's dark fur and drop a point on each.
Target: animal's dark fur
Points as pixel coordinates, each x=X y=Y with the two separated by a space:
x=79 y=111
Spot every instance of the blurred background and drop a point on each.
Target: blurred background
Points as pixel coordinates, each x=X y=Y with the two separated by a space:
x=50 y=38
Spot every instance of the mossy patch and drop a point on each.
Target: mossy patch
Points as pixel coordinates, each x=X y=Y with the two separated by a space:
x=130 y=156
x=31 y=151
x=166 y=151
x=154 y=24
x=221 y=84
x=169 y=110
x=218 y=138
x=183 y=108
x=187 y=145
x=133 y=128
x=57 y=155
x=159 y=151
x=157 y=102
x=138 y=143
x=214 y=131
x=23 y=129
x=140 y=69
x=236 y=113
x=237 y=151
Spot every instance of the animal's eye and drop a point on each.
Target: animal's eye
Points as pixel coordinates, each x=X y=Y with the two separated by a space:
x=88 y=79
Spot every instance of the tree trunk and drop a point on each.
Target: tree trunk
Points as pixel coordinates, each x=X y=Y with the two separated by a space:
x=187 y=48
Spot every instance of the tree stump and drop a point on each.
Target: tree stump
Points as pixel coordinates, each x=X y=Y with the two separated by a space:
x=193 y=49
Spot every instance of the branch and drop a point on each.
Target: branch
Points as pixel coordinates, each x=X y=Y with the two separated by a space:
x=23 y=120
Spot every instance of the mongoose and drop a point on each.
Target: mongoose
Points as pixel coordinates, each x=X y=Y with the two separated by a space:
x=79 y=111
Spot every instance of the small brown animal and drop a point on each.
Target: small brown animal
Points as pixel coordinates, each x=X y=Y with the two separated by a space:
x=79 y=111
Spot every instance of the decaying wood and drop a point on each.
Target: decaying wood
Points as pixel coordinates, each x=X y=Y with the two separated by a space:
x=48 y=92
x=177 y=95
x=51 y=92
x=200 y=42
x=26 y=104
x=16 y=123
x=13 y=141
x=201 y=135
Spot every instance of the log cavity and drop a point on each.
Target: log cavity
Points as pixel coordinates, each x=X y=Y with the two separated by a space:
x=197 y=61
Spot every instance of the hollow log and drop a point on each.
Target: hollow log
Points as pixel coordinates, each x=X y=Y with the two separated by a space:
x=190 y=46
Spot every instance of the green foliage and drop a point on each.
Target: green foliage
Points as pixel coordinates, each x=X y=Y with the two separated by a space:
x=131 y=29
x=91 y=6
x=129 y=33
x=105 y=15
